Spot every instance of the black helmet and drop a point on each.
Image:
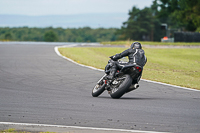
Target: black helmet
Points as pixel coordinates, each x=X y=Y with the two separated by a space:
x=136 y=45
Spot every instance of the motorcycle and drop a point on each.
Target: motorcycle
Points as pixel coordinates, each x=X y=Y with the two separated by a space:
x=125 y=80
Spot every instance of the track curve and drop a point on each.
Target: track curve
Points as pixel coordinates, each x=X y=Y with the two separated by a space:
x=37 y=86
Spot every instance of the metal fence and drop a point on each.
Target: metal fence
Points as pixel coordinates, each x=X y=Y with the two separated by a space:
x=186 y=37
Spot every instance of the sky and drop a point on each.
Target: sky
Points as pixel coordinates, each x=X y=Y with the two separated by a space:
x=67 y=13
x=68 y=7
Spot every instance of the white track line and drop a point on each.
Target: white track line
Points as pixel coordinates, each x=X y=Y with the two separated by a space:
x=170 y=85
x=78 y=127
x=58 y=53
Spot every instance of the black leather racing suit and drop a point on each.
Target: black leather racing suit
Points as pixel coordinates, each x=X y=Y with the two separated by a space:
x=135 y=56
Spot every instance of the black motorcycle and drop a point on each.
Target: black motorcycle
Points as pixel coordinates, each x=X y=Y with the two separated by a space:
x=125 y=80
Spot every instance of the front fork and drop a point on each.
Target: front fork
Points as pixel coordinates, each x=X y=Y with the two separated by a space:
x=101 y=78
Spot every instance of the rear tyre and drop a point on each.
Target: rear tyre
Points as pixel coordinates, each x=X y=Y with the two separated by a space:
x=118 y=89
x=98 y=89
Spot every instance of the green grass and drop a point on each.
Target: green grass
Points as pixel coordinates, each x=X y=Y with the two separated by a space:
x=11 y=130
x=97 y=57
x=173 y=66
x=152 y=43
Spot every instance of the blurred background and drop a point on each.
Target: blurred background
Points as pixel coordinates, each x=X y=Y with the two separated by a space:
x=100 y=20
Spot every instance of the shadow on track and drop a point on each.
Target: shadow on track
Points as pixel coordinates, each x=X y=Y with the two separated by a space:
x=128 y=98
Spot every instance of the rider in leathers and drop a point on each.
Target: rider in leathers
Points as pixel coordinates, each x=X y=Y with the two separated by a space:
x=136 y=55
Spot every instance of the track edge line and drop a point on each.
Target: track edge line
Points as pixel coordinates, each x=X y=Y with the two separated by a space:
x=78 y=127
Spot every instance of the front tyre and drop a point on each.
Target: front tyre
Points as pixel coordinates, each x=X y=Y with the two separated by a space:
x=120 y=86
x=98 y=89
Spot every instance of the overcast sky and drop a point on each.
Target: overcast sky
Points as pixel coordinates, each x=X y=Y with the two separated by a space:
x=69 y=7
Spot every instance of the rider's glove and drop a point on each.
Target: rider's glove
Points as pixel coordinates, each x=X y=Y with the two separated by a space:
x=115 y=57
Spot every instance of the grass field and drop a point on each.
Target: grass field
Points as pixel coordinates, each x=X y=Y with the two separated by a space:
x=153 y=43
x=11 y=130
x=173 y=66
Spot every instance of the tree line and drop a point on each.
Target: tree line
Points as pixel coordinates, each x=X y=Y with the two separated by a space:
x=161 y=19
x=49 y=34
x=152 y=23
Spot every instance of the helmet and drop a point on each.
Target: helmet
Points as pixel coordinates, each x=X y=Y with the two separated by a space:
x=136 y=45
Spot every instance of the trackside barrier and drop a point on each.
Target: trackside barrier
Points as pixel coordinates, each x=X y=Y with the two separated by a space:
x=186 y=37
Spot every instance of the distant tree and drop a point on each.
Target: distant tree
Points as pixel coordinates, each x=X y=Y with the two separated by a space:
x=145 y=24
x=180 y=13
x=167 y=7
x=140 y=25
x=189 y=14
x=85 y=34
x=8 y=36
x=50 y=36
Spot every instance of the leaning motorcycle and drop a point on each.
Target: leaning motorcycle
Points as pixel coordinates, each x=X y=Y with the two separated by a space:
x=124 y=81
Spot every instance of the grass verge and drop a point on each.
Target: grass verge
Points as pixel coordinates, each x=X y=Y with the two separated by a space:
x=153 y=43
x=11 y=130
x=173 y=66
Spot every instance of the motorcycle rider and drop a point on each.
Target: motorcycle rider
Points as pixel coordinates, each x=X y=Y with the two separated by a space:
x=136 y=55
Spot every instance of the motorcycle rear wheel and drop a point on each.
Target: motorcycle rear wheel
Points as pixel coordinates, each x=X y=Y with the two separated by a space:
x=98 y=89
x=119 y=90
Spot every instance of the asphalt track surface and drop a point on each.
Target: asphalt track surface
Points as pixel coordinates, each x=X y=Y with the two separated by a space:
x=37 y=86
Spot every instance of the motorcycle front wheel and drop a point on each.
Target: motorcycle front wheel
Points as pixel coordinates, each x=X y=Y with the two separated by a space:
x=98 y=89
x=120 y=86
